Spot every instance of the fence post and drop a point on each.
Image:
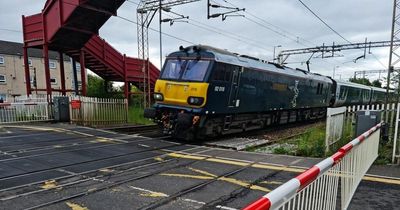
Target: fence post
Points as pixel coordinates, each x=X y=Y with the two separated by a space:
x=396 y=129
x=335 y=121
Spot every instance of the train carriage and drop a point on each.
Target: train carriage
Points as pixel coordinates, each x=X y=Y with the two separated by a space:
x=203 y=91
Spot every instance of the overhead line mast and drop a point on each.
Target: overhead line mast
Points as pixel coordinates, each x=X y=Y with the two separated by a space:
x=145 y=13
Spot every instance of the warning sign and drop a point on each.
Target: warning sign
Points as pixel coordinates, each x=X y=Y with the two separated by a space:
x=76 y=104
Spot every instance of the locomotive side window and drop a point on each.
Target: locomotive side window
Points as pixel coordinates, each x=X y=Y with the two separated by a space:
x=320 y=88
x=222 y=72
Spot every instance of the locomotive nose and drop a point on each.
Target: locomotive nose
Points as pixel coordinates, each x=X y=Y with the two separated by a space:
x=192 y=94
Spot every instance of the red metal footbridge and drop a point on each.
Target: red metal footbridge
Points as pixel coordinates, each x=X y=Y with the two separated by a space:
x=71 y=27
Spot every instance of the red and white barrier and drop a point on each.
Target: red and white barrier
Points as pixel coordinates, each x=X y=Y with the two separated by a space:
x=317 y=187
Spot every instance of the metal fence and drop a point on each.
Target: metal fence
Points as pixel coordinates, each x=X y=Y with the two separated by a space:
x=338 y=118
x=25 y=112
x=89 y=111
x=318 y=187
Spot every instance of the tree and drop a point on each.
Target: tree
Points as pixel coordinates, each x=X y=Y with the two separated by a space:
x=377 y=83
x=363 y=81
x=97 y=87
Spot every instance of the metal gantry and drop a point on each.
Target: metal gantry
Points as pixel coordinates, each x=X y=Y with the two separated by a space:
x=146 y=11
x=365 y=72
x=329 y=51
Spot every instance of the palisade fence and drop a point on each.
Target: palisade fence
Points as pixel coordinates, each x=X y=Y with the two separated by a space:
x=97 y=112
x=25 y=112
x=340 y=117
x=84 y=111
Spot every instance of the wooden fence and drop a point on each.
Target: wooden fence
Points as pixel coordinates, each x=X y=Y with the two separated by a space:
x=97 y=112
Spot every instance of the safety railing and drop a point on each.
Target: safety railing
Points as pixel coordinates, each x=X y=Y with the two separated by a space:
x=319 y=186
x=89 y=111
x=25 y=112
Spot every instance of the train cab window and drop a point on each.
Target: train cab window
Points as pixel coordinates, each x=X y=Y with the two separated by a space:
x=173 y=69
x=195 y=70
x=188 y=70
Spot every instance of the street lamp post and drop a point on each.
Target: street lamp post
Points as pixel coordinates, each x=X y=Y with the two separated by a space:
x=274 y=58
x=334 y=71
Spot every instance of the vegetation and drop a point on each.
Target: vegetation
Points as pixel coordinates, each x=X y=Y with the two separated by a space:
x=135 y=116
x=365 y=81
x=99 y=88
x=312 y=144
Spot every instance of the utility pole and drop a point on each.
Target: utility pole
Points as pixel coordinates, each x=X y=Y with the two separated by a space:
x=160 y=21
x=394 y=58
x=145 y=13
x=393 y=52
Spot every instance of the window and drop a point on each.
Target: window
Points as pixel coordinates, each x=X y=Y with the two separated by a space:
x=195 y=70
x=3 y=97
x=222 y=72
x=78 y=67
x=189 y=70
x=2 y=79
x=52 y=64
x=53 y=81
x=1 y=60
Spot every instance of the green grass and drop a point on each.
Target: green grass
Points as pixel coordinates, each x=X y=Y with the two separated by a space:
x=135 y=116
x=312 y=142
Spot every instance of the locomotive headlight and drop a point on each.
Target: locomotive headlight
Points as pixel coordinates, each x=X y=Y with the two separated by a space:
x=158 y=97
x=195 y=100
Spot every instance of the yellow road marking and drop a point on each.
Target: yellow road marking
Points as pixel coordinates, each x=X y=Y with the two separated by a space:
x=271 y=182
x=187 y=176
x=229 y=162
x=209 y=176
x=149 y=193
x=202 y=172
x=383 y=180
x=74 y=206
x=387 y=180
x=154 y=194
x=244 y=184
x=278 y=168
x=106 y=170
x=159 y=159
x=177 y=155
x=31 y=128
x=49 y=184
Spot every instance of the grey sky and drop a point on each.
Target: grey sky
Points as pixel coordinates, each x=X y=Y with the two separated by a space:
x=354 y=19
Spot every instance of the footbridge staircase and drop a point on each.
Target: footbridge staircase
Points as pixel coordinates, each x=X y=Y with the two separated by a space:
x=71 y=27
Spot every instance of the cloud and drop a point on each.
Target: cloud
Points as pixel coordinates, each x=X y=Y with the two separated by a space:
x=354 y=19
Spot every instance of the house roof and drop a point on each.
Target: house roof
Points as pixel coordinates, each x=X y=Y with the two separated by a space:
x=15 y=48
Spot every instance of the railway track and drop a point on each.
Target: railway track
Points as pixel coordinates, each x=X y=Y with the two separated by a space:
x=119 y=177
